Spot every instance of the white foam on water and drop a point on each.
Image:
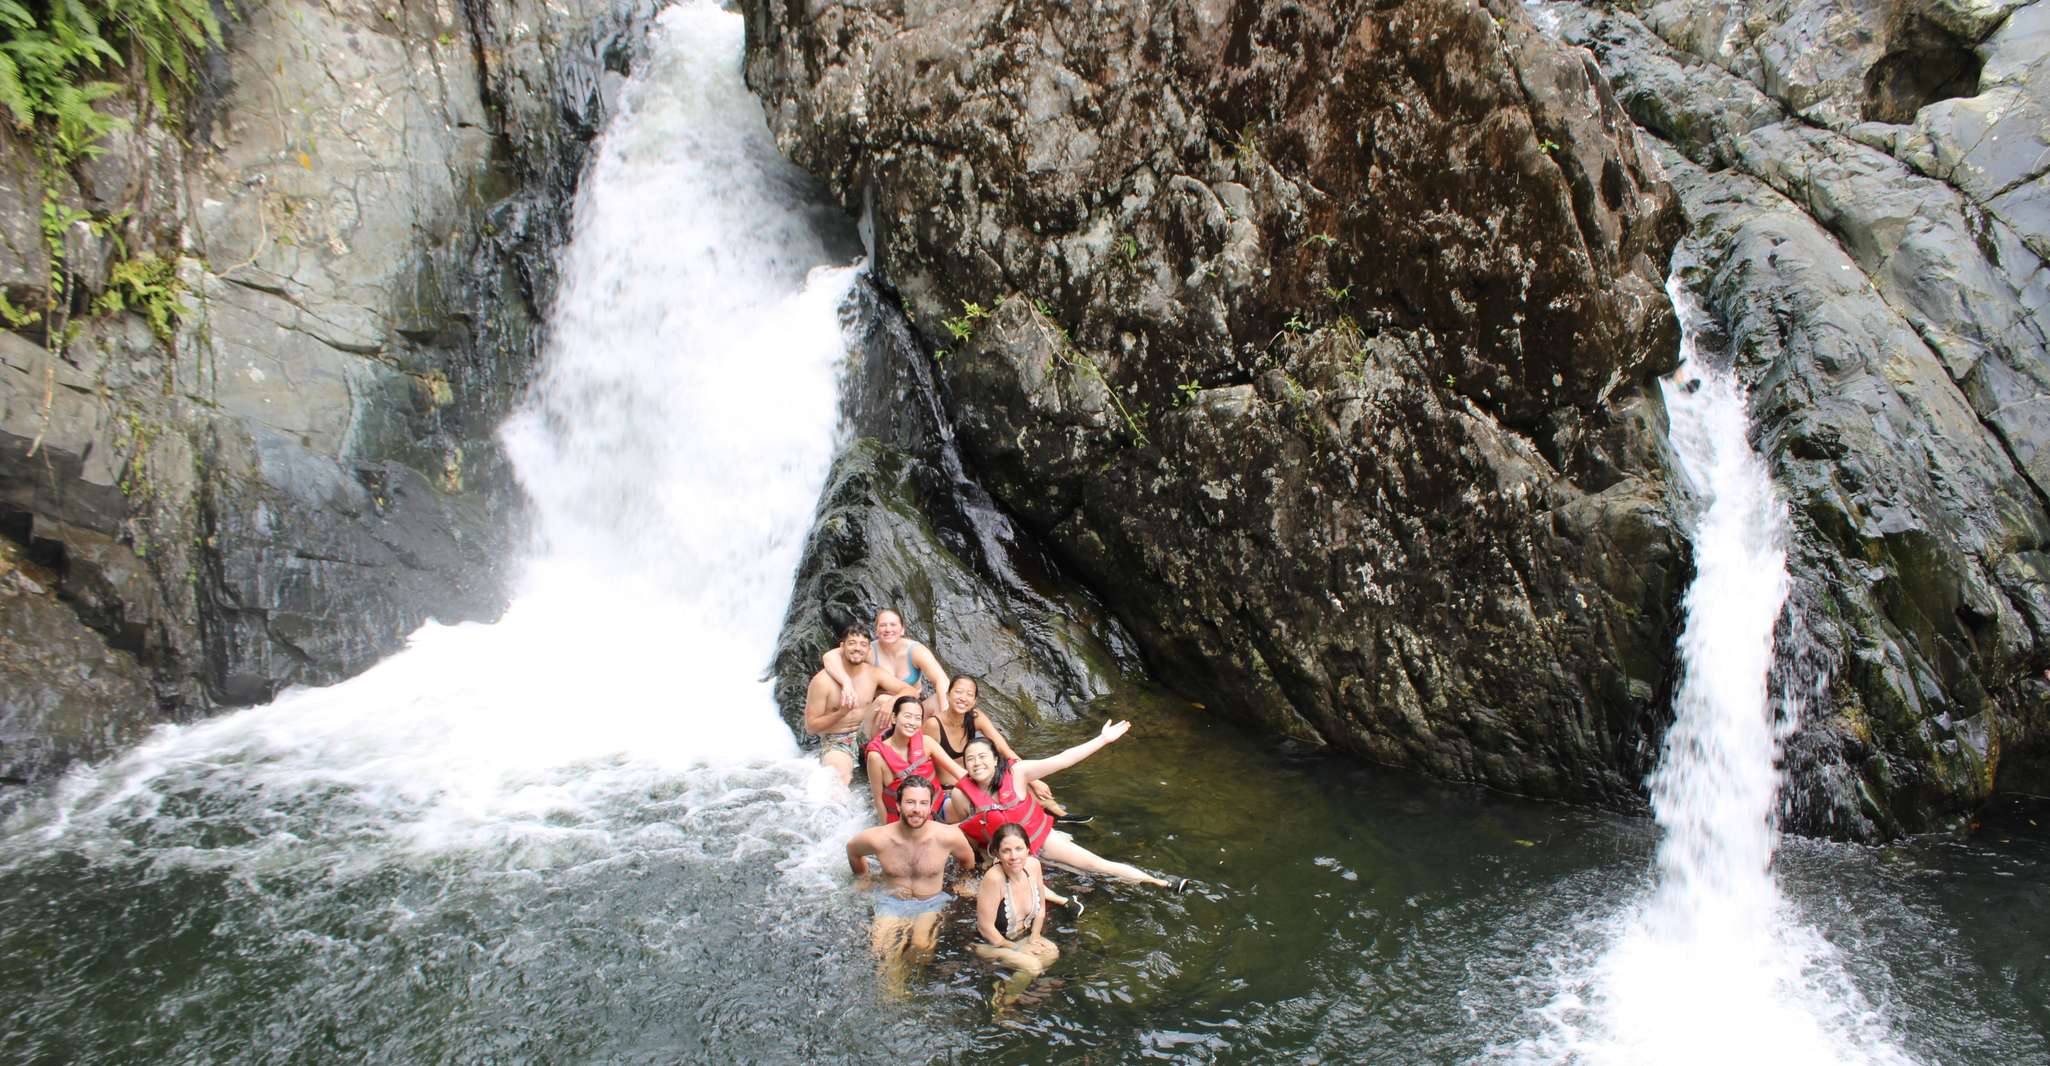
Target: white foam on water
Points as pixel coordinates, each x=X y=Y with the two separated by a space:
x=674 y=446
x=1713 y=965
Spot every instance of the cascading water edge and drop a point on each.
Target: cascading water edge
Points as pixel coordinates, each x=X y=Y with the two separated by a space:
x=584 y=835
x=1711 y=962
x=441 y=819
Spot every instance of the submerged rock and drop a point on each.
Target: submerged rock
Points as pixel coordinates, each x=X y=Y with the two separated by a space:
x=1315 y=339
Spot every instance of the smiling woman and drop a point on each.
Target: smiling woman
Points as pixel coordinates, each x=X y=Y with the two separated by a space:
x=555 y=840
x=997 y=792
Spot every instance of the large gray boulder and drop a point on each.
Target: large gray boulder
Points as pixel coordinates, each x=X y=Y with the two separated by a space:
x=362 y=214
x=1870 y=251
x=1313 y=338
x=901 y=524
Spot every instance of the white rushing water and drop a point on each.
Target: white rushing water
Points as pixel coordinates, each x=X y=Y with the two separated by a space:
x=671 y=503
x=1713 y=965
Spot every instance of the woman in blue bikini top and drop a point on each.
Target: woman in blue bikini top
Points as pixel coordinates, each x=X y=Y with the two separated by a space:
x=896 y=654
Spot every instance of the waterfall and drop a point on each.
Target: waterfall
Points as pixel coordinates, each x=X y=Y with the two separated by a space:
x=1713 y=964
x=673 y=447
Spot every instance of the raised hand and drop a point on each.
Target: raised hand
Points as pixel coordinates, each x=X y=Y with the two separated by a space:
x=1114 y=730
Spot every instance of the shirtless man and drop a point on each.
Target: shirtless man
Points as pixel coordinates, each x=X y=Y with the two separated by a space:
x=837 y=722
x=913 y=852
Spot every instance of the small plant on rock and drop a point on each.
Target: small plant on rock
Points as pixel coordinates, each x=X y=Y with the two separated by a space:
x=149 y=285
x=963 y=325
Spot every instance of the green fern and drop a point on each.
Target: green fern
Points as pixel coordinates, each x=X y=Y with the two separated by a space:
x=48 y=66
x=150 y=286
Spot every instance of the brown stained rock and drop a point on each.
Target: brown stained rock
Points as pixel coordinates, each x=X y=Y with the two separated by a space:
x=1313 y=336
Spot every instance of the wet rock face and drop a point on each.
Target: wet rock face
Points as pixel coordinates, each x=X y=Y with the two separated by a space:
x=1312 y=336
x=901 y=525
x=365 y=215
x=64 y=695
x=1871 y=241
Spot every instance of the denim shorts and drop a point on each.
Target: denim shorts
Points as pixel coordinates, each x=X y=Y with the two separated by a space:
x=888 y=906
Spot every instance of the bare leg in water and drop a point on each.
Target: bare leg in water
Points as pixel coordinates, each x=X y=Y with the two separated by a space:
x=900 y=944
x=1061 y=848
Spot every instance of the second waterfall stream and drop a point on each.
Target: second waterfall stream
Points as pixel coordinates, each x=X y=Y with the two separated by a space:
x=1712 y=964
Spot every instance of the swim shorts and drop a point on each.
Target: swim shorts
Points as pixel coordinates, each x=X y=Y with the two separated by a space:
x=849 y=742
x=888 y=906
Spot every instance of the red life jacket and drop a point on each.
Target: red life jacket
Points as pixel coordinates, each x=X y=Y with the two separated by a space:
x=986 y=815
x=900 y=768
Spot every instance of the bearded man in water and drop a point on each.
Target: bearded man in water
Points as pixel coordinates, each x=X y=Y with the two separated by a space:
x=913 y=853
x=837 y=722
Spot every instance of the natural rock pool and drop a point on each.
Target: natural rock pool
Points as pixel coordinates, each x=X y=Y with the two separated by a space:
x=623 y=912
x=582 y=834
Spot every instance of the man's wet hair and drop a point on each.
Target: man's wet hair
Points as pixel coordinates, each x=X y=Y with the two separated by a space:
x=915 y=781
x=852 y=629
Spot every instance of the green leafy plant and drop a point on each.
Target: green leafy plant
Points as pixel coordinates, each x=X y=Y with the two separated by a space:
x=150 y=286
x=1245 y=145
x=1296 y=323
x=51 y=54
x=1324 y=239
x=963 y=325
x=1337 y=295
x=1188 y=390
x=1548 y=146
x=1129 y=246
x=14 y=317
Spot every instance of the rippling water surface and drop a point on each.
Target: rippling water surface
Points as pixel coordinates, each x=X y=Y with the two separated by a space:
x=583 y=835
x=700 y=915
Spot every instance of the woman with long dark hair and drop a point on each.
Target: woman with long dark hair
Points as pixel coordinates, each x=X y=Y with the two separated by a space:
x=959 y=717
x=994 y=792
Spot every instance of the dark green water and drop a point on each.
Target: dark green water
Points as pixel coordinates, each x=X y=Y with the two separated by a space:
x=222 y=914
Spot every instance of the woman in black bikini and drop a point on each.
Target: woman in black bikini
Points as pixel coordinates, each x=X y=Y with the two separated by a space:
x=958 y=722
x=1009 y=914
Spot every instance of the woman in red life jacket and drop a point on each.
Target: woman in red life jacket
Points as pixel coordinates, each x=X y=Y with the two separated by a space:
x=900 y=752
x=958 y=717
x=995 y=792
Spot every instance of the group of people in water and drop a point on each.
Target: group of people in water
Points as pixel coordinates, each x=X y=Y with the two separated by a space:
x=946 y=784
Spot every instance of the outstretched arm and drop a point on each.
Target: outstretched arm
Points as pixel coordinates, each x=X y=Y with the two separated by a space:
x=1033 y=769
